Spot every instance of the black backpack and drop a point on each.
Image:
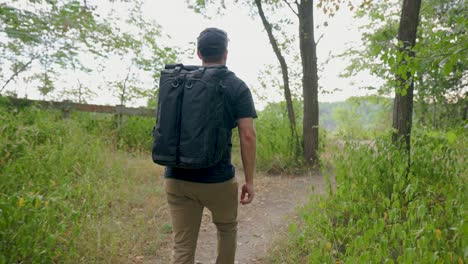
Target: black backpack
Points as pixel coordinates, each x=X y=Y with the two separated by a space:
x=190 y=131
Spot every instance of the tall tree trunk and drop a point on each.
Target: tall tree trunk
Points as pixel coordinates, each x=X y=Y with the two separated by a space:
x=403 y=104
x=309 y=81
x=284 y=71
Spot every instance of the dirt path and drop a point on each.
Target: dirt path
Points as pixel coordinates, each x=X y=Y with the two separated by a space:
x=260 y=222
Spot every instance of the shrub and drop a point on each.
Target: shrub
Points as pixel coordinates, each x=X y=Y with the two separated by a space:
x=130 y=133
x=135 y=133
x=275 y=144
x=379 y=213
x=50 y=175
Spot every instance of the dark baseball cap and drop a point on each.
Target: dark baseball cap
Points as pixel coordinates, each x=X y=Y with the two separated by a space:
x=212 y=42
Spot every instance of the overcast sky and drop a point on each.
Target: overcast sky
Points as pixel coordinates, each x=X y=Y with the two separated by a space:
x=249 y=49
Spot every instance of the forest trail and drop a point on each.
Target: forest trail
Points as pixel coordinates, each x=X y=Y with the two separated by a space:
x=260 y=223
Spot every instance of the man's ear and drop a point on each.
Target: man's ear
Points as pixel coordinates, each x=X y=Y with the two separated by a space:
x=199 y=55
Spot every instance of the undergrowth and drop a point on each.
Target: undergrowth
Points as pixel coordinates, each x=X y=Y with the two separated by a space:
x=71 y=192
x=379 y=213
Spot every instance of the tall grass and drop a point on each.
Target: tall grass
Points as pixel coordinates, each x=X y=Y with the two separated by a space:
x=68 y=194
x=381 y=214
x=130 y=133
x=275 y=144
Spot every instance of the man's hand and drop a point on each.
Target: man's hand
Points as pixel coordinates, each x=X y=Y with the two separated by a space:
x=247 y=189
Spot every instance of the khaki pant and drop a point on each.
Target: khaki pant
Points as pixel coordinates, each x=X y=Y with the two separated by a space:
x=186 y=202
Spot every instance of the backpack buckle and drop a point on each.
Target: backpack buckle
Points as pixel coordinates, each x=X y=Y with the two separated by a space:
x=175 y=83
x=189 y=84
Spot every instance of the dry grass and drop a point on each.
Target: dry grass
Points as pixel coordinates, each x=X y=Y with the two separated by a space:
x=132 y=224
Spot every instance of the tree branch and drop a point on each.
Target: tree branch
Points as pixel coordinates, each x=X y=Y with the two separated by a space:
x=290 y=7
x=271 y=37
x=317 y=42
x=16 y=73
x=434 y=54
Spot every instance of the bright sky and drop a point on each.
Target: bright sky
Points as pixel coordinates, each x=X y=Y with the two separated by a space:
x=249 y=50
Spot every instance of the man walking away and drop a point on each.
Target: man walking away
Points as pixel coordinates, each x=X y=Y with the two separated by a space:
x=190 y=190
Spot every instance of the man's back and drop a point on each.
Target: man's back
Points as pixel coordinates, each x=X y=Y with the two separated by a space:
x=190 y=190
x=238 y=103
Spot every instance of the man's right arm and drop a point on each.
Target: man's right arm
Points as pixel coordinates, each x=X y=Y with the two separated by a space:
x=248 y=146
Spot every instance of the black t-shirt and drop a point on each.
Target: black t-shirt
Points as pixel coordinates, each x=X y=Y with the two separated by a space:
x=238 y=103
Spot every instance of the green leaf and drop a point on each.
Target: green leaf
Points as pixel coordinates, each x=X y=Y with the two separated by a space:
x=447 y=68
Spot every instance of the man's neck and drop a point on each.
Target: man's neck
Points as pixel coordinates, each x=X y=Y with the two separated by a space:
x=207 y=64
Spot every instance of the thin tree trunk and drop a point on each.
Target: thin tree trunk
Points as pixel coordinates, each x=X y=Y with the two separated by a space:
x=80 y=92
x=284 y=71
x=424 y=113
x=123 y=94
x=309 y=82
x=465 y=113
x=421 y=104
x=403 y=104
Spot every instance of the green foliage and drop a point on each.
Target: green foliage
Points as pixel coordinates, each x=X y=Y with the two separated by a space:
x=52 y=176
x=439 y=67
x=362 y=117
x=357 y=118
x=42 y=163
x=41 y=40
x=275 y=145
x=47 y=32
x=129 y=133
x=381 y=213
x=134 y=134
x=444 y=114
x=442 y=51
